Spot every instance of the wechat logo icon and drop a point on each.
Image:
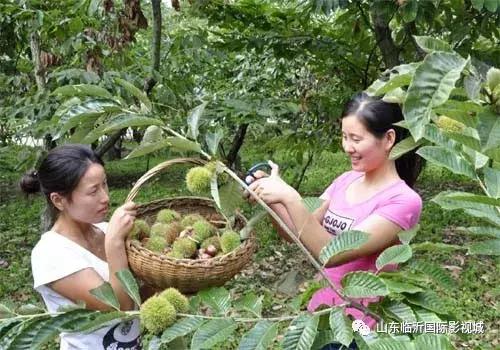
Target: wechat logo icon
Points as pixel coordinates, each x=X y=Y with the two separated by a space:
x=361 y=327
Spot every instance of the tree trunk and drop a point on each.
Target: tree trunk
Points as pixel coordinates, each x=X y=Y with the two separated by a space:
x=156 y=33
x=389 y=50
x=150 y=82
x=115 y=152
x=300 y=178
x=411 y=30
x=108 y=143
x=35 y=53
x=238 y=139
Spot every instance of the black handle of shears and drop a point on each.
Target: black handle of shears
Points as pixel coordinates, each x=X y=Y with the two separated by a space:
x=256 y=167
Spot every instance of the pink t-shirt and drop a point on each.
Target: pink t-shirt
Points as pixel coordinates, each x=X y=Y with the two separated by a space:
x=397 y=203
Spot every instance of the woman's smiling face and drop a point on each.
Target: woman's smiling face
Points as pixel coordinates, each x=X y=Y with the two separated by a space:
x=366 y=151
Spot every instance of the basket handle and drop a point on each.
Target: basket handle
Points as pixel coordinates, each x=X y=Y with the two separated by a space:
x=158 y=169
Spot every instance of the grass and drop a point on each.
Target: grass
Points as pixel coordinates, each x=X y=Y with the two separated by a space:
x=475 y=296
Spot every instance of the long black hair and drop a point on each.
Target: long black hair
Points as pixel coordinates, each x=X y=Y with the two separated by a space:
x=60 y=172
x=378 y=116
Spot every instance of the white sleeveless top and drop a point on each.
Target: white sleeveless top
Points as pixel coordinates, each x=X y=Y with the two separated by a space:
x=55 y=257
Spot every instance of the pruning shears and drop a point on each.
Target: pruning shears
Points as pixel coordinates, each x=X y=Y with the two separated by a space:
x=250 y=175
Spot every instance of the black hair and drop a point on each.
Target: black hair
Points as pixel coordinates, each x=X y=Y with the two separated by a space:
x=60 y=171
x=378 y=117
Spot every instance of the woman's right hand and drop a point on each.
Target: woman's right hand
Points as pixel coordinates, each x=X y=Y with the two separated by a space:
x=122 y=221
x=259 y=174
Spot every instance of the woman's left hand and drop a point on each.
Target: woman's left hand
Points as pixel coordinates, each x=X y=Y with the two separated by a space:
x=273 y=189
x=122 y=221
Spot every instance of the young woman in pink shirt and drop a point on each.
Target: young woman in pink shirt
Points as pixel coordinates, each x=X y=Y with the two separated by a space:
x=376 y=196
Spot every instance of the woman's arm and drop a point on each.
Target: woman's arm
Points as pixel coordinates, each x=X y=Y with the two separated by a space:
x=77 y=285
x=383 y=233
x=282 y=212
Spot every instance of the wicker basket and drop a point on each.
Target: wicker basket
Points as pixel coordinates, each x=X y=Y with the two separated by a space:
x=187 y=275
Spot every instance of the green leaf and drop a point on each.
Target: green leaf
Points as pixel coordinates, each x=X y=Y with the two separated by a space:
x=245 y=231
x=424 y=315
x=487 y=212
x=491 y=5
x=489 y=231
x=105 y=294
x=362 y=284
x=401 y=311
x=461 y=111
x=341 y=326
x=477 y=4
x=398 y=76
x=181 y=328
x=312 y=203
x=403 y=147
x=398 y=95
x=322 y=339
x=301 y=333
x=260 y=336
x=103 y=319
x=151 y=135
x=118 y=122
x=39 y=333
x=470 y=198
x=393 y=255
x=431 y=86
x=130 y=285
x=430 y=44
x=147 y=148
x=193 y=120
x=251 y=303
x=85 y=113
x=231 y=197
x=409 y=10
x=218 y=299
x=448 y=159
x=489 y=130
x=489 y=247
x=478 y=159
x=134 y=91
x=346 y=241
x=93 y=7
x=493 y=78
x=5 y=312
x=182 y=144
x=127 y=120
x=406 y=236
x=361 y=342
x=214 y=191
x=30 y=309
x=392 y=344
x=433 y=341
x=492 y=181
x=213 y=141
x=435 y=272
x=6 y=325
x=437 y=136
x=16 y=332
x=211 y=333
x=82 y=90
x=435 y=247
x=395 y=286
x=428 y=300
x=467 y=137
x=395 y=82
